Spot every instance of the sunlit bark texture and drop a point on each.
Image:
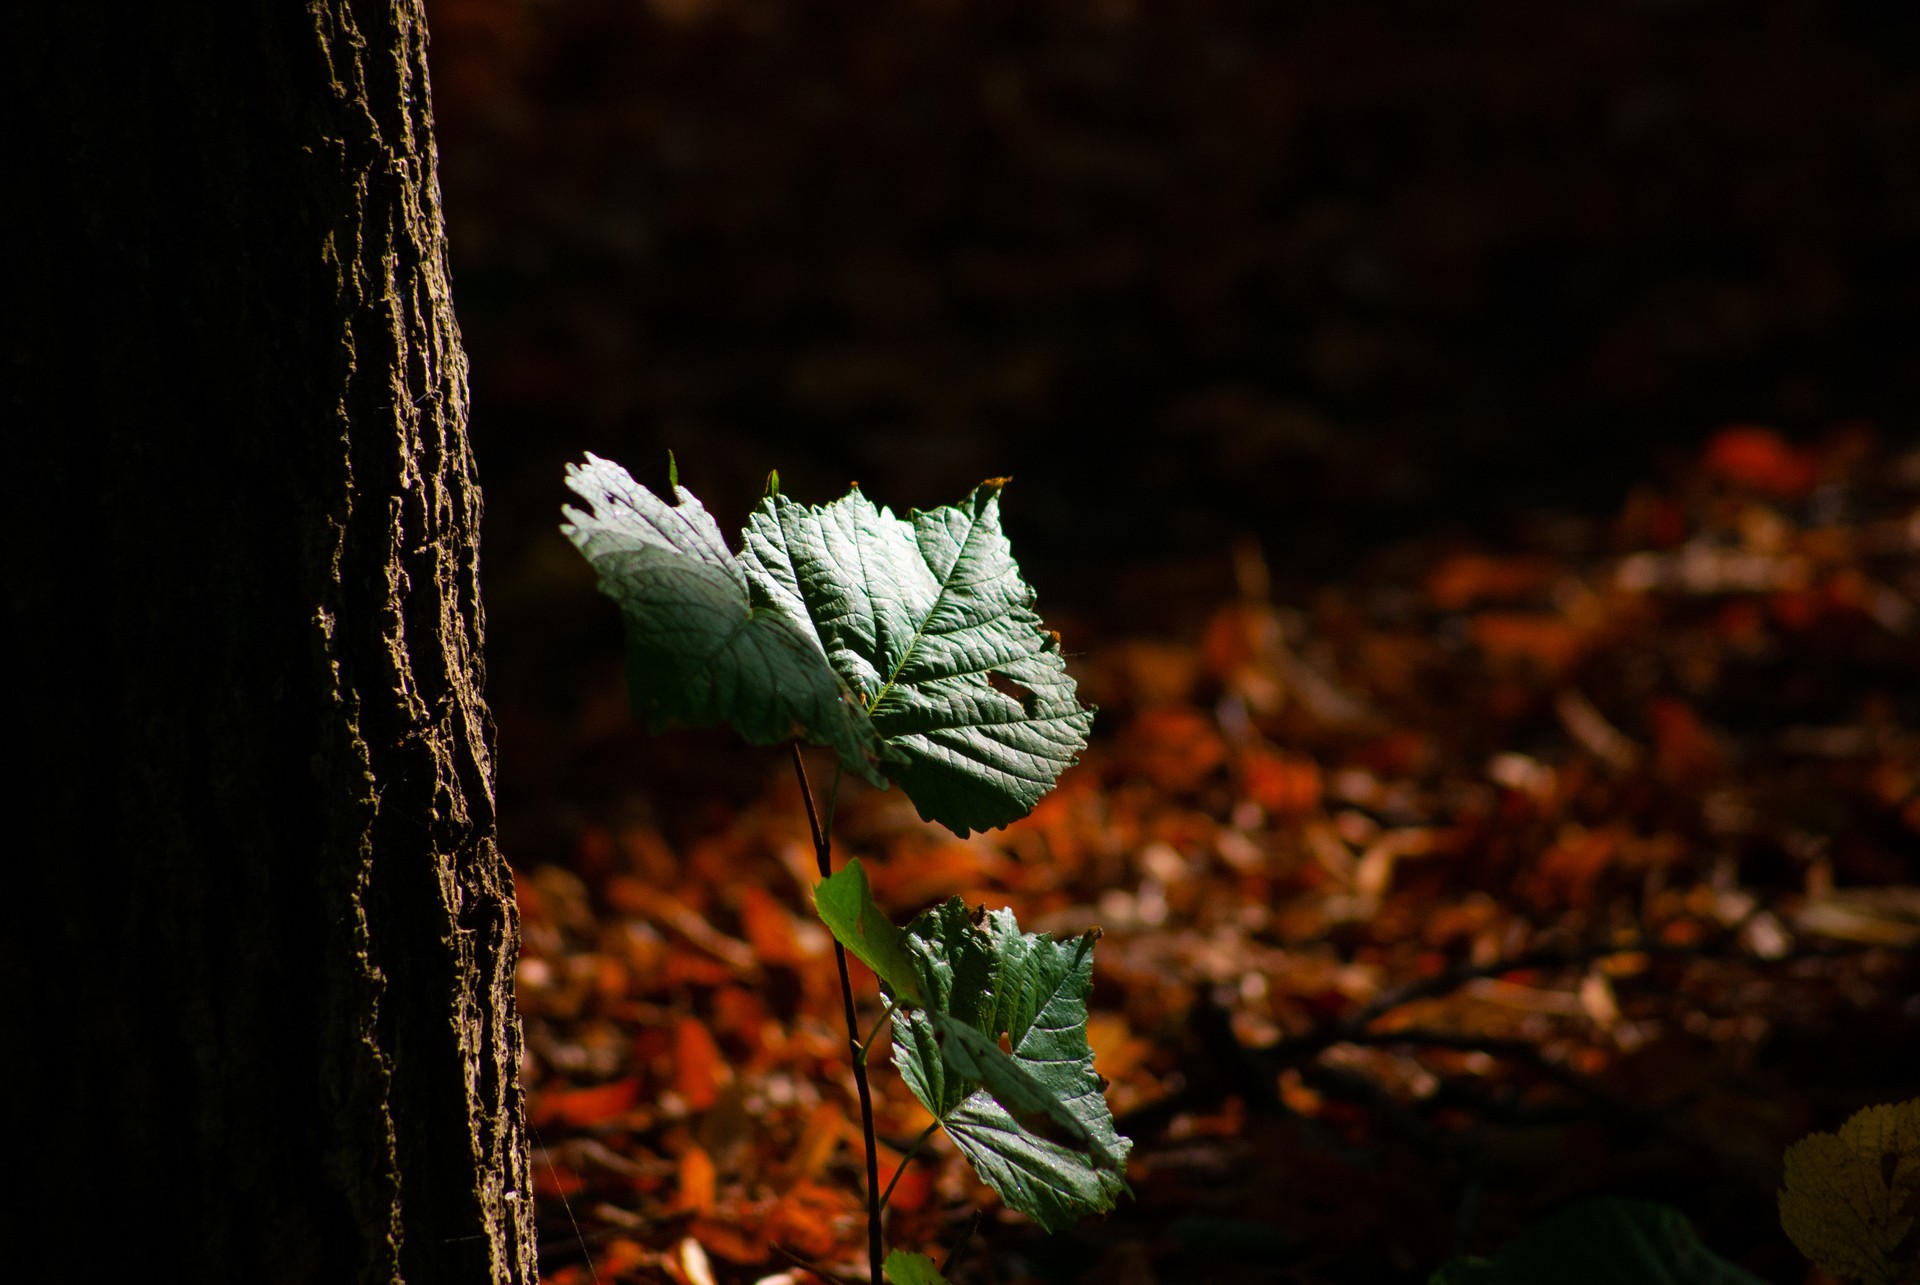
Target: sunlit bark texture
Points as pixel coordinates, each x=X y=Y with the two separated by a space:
x=260 y=941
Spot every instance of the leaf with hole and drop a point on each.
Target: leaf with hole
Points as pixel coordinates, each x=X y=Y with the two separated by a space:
x=929 y=622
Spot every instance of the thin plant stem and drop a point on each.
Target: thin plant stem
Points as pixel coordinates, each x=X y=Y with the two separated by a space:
x=966 y=1238
x=906 y=1160
x=875 y=1251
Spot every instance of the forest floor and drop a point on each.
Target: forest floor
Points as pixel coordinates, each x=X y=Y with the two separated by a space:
x=1483 y=879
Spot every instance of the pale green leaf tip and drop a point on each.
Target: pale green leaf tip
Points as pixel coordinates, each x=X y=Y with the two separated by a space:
x=673 y=471
x=773 y=482
x=903 y=1268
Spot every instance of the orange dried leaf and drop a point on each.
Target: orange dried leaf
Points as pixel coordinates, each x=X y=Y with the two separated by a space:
x=1551 y=643
x=1175 y=749
x=1283 y=784
x=730 y=1241
x=1569 y=869
x=553 y=1180
x=697 y=1181
x=768 y=926
x=1236 y=638
x=1682 y=746
x=1116 y=1050
x=741 y=1015
x=915 y=1187
x=932 y=874
x=584 y=1108
x=698 y=1068
x=814 y=1221
x=1465 y=579
x=1761 y=459
x=621 y=1255
x=819 y=1138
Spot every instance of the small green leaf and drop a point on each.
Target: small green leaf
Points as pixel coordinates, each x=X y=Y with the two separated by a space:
x=700 y=650
x=1032 y=1118
x=845 y=903
x=1601 y=1242
x=903 y=1268
x=928 y=621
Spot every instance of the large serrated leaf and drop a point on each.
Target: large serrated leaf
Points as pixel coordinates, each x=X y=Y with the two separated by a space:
x=1032 y=1118
x=700 y=649
x=929 y=622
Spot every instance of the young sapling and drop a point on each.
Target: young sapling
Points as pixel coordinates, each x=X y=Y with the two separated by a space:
x=910 y=648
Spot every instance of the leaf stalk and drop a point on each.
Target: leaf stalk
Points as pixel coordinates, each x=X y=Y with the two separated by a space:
x=823 y=856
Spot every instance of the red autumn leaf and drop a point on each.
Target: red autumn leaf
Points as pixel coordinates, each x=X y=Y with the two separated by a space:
x=697 y=1182
x=1549 y=643
x=1761 y=459
x=620 y=1255
x=768 y=926
x=585 y=1108
x=825 y=1128
x=729 y=1240
x=550 y=1179
x=814 y=1220
x=1283 y=784
x=1682 y=746
x=1466 y=579
x=698 y=1068
x=1175 y=749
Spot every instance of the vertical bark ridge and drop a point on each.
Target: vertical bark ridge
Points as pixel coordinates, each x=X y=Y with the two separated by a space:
x=268 y=962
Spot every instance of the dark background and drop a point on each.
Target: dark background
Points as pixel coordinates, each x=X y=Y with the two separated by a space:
x=1326 y=274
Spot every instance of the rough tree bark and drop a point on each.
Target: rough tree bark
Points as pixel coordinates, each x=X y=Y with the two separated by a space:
x=260 y=940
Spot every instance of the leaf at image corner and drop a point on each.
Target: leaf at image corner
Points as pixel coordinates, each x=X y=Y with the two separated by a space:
x=1049 y=1148
x=700 y=650
x=903 y=1268
x=929 y=622
x=1851 y=1202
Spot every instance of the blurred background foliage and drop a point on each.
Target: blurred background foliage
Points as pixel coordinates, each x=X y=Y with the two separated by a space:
x=1321 y=274
x=1366 y=374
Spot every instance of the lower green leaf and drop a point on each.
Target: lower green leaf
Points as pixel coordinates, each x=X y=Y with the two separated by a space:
x=1031 y=1116
x=903 y=1268
x=845 y=903
x=1602 y=1242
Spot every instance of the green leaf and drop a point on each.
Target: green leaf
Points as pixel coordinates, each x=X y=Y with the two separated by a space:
x=1033 y=1117
x=845 y=903
x=700 y=649
x=1602 y=1242
x=903 y=1268
x=929 y=623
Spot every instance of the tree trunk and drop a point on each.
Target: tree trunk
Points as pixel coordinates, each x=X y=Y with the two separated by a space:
x=261 y=939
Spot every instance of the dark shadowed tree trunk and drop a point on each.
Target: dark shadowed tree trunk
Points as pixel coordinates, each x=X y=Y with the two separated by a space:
x=259 y=940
